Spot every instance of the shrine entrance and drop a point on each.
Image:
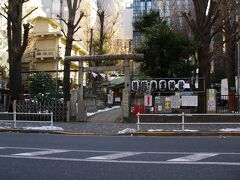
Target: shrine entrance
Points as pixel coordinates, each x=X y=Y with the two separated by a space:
x=125 y=104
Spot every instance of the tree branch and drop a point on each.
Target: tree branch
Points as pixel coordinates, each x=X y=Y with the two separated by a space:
x=76 y=29
x=69 y=4
x=63 y=20
x=3 y=15
x=64 y=33
x=29 y=13
x=6 y=12
x=77 y=40
x=78 y=6
x=79 y=19
x=27 y=28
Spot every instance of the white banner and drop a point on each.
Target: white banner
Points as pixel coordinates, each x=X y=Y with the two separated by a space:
x=190 y=101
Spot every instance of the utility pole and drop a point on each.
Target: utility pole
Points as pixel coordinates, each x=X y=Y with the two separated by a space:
x=238 y=76
x=90 y=79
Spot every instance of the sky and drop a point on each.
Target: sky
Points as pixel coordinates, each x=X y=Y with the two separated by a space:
x=128 y=1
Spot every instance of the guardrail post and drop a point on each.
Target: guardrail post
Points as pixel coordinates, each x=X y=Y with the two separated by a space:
x=138 y=121
x=68 y=111
x=183 y=121
x=14 y=119
x=14 y=114
x=51 y=120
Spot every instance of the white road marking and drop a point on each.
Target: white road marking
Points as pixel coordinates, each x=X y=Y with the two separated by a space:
x=114 y=156
x=39 y=153
x=194 y=157
x=123 y=161
x=105 y=151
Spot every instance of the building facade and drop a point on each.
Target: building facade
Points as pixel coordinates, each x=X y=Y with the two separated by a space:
x=3 y=41
x=46 y=51
x=170 y=10
x=122 y=42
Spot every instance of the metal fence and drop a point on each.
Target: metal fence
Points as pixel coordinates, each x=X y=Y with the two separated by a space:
x=228 y=103
x=16 y=118
x=183 y=121
x=225 y=104
x=58 y=109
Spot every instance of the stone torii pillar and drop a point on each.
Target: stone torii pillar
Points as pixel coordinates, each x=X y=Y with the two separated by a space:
x=126 y=92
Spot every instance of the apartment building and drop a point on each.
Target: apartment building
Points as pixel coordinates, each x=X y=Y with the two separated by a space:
x=170 y=10
x=46 y=50
x=53 y=8
x=3 y=40
x=122 y=41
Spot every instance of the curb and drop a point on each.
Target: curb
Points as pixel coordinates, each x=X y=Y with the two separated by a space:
x=169 y=133
x=45 y=132
x=163 y=133
x=73 y=133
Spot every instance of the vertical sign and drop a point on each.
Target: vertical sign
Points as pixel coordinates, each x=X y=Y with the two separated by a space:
x=211 y=101
x=167 y=103
x=158 y=103
x=148 y=100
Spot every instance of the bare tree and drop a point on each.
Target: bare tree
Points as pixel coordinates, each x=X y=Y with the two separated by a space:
x=72 y=27
x=17 y=43
x=230 y=34
x=204 y=23
x=206 y=14
x=107 y=20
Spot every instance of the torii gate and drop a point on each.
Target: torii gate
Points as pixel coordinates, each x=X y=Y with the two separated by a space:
x=126 y=92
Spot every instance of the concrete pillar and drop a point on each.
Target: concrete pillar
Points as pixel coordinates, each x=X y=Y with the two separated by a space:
x=126 y=91
x=82 y=113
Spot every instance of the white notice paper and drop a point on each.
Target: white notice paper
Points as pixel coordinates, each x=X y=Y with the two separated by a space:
x=190 y=101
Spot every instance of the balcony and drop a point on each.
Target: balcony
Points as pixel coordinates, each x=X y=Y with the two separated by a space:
x=45 y=53
x=54 y=32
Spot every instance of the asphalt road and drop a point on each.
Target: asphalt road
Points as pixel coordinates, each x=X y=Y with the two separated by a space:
x=42 y=156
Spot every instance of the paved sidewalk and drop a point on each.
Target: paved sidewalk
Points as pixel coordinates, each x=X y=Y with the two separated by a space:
x=108 y=123
x=114 y=128
x=123 y=128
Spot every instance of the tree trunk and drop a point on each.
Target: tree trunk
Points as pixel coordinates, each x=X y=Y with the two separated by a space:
x=15 y=53
x=66 y=78
x=204 y=66
x=101 y=40
x=230 y=55
x=204 y=71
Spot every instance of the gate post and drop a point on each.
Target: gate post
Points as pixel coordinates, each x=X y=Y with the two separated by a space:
x=126 y=91
x=82 y=114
